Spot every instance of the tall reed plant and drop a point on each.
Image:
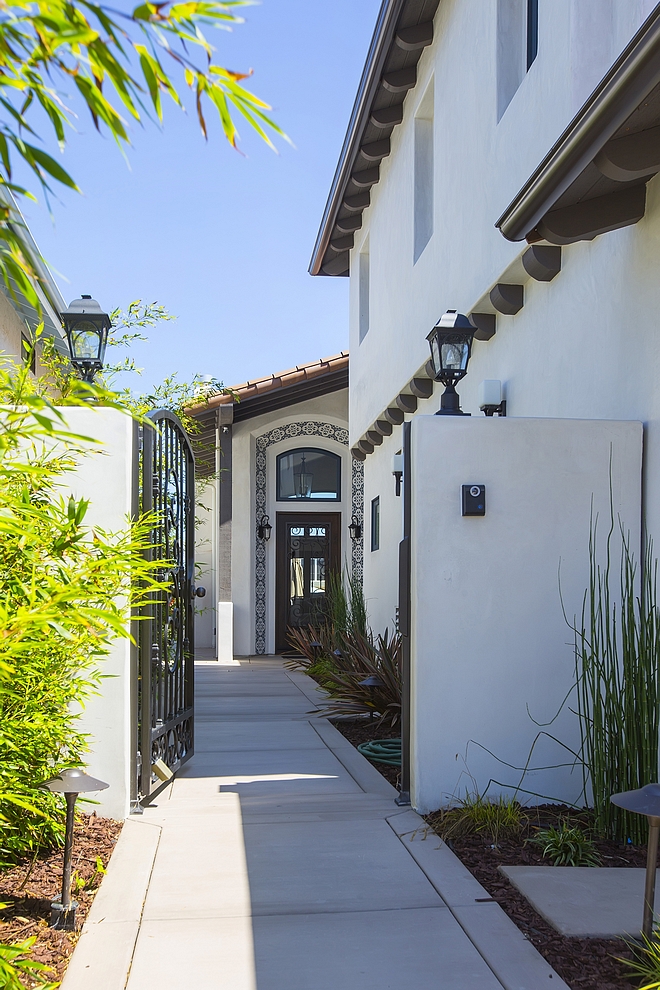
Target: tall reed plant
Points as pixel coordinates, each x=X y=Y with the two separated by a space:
x=617 y=657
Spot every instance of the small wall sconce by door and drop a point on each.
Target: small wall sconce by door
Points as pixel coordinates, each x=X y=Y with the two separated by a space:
x=355 y=528
x=70 y=783
x=397 y=471
x=264 y=528
x=490 y=398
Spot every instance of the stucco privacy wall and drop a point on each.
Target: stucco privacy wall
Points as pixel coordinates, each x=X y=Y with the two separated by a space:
x=330 y=408
x=106 y=479
x=489 y=645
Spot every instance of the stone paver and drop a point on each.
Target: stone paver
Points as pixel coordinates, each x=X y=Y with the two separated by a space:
x=278 y=860
x=585 y=900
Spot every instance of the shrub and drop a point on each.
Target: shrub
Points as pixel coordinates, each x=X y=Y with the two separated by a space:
x=15 y=967
x=65 y=594
x=645 y=962
x=475 y=814
x=340 y=661
x=566 y=846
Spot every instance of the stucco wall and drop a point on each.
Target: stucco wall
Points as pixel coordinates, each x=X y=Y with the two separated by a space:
x=490 y=649
x=585 y=345
x=106 y=479
x=330 y=408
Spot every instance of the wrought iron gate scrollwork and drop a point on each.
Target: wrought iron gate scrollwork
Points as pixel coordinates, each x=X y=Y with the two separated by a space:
x=165 y=692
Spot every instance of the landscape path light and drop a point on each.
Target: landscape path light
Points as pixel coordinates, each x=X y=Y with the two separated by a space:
x=70 y=783
x=372 y=682
x=450 y=341
x=86 y=327
x=645 y=801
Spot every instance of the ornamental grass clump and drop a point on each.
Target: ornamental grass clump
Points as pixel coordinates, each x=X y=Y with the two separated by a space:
x=617 y=655
x=477 y=815
x=566 y=845
x=645 y=962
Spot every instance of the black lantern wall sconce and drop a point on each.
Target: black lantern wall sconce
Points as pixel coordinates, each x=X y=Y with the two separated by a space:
x=355 y=528
x=86 y=327
x=264 y=528
x=450 y=341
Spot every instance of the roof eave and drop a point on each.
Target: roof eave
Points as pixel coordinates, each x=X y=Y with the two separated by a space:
x=630 y=79
x=369 y=82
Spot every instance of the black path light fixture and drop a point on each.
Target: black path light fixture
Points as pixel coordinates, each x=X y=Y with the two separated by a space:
x=355 y=528
x=450 y=341
x=70 y=783
x=264 y=528
x=645 y=801
x=86 y=327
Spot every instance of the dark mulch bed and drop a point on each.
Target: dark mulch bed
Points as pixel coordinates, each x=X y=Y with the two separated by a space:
x=31 y=885
x=583 y=963
x=359 y=730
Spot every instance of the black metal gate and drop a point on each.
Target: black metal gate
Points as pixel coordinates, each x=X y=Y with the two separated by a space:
x=165 y=724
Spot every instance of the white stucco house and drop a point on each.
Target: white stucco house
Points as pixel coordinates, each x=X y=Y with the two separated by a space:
x=500 y=161
x=280 y=493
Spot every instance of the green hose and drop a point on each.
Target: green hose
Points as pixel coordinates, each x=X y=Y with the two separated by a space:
x=387 y=751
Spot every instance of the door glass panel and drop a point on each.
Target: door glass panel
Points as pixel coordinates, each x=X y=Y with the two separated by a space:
x=297 y=577
x=308 y=549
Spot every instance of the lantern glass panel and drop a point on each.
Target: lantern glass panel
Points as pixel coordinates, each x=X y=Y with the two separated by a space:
x=455 y=356
x=85 y=342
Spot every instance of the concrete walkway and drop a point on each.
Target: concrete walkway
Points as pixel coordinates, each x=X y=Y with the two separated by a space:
x=278 y=860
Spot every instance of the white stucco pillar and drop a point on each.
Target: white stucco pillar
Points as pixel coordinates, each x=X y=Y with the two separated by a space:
x=225 y=637
x=106 y=479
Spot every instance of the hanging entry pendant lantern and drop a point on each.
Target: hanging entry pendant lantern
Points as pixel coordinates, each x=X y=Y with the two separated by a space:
x=86 y=327
x=304 y=480
x=450 y=341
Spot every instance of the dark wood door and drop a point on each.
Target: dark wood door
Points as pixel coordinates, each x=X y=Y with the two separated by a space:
x=307 y=551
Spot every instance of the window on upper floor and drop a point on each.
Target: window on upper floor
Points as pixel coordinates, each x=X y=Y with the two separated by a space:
x=517 y=46
x=363 y=290
x=423 y=173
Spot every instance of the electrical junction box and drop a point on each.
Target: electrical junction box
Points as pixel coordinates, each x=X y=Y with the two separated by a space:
x=474 y=500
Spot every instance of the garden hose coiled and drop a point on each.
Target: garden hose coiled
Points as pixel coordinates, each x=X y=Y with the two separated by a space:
x=387 y=751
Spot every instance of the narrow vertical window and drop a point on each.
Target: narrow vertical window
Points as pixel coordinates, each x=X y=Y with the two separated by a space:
x=517 y=46
x=363 y=290
x=423 y=172
x=532 y=31
x=375 y=523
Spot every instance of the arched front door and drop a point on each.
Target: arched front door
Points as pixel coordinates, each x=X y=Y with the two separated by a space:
x=307 y=551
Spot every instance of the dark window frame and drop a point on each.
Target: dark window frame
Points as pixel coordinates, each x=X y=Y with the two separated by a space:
x=375 y=523
x=532 y=31
x=312 y=499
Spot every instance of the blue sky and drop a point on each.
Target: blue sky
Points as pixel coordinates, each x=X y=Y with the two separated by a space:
x=222 y=240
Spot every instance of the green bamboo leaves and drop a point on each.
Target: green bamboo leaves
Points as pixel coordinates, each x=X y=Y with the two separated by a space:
x=121 y=65
x=66 y=591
